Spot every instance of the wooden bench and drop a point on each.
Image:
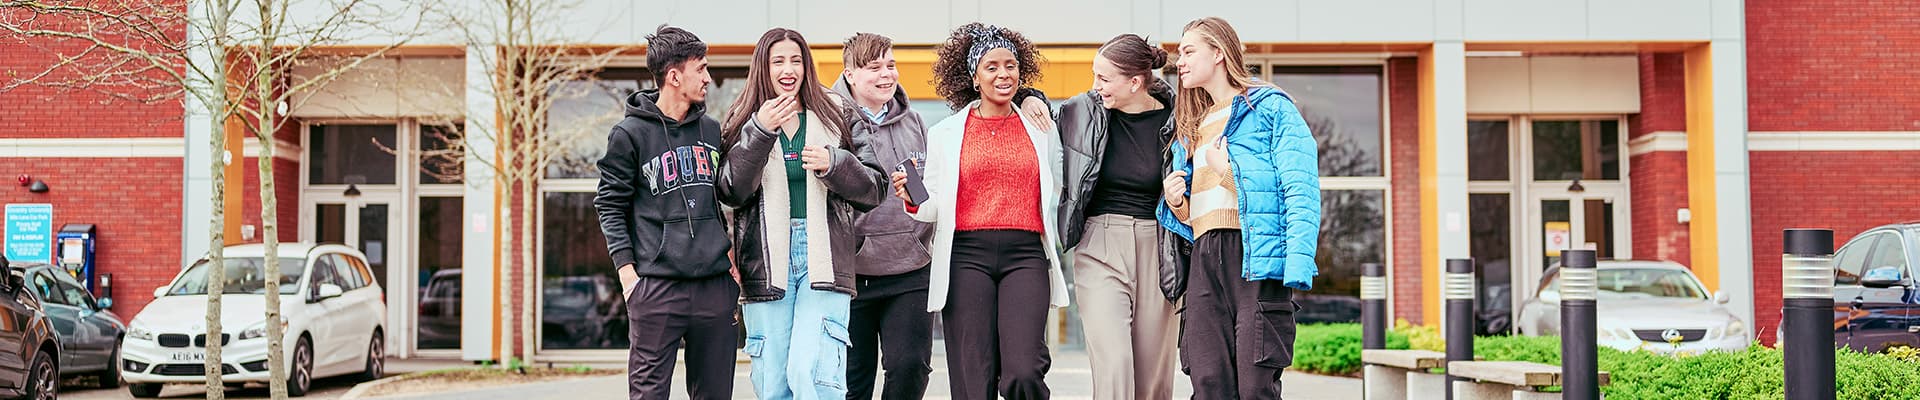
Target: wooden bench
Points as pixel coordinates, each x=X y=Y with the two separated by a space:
x=1403 y=374
x=1507 y=380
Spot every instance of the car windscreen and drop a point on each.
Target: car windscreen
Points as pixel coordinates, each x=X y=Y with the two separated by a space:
x=244 y=275
x=1642 y=283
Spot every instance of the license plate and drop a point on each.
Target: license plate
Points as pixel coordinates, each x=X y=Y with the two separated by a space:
x=189 y=356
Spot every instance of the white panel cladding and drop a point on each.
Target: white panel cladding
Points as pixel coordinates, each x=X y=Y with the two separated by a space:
x=1553 y=85
x=1366 y=21
x=1079 y=21
x=1623 y=20
x=394 y=87
x=1566 y=85
x=1526 y=20
x=1060 y=21
x=832 y=21
x=1498 y=85
x=1256 y=20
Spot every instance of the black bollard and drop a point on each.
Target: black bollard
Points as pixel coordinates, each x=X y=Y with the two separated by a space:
x=1807 y=279
x=1458 y=291
x=1373 y=306
x=1579 y=356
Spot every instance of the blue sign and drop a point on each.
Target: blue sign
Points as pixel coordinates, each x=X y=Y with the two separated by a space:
x=29 y=233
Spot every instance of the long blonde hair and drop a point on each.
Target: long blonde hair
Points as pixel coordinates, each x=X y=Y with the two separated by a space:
x=1191 y=106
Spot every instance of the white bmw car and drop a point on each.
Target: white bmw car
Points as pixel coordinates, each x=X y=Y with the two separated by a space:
x=332 y=309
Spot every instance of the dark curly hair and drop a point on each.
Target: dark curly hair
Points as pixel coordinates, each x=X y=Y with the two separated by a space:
x=953 y=78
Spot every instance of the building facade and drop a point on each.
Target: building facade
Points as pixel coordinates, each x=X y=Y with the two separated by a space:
x=1692 y=131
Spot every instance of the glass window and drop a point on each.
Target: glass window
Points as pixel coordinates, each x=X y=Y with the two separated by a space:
x=1851 y=261
x=76 y=296
x=344 y=154
x=49 y=291
x=1352 y=231
x=245 y=275
x=440 y=254
x=580 y=299
x=1487 y=150
x=1887 y=252
x=373 y=240
x=1342 y=106
x=1491 y=245
x=439 y=164
x=588 y=109
x=1557 y=217
x=331 y=225
x=322 y=274
x=344 y=274
x=1566 y=150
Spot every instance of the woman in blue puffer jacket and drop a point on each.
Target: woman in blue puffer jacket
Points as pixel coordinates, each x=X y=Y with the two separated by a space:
x=1252 y=208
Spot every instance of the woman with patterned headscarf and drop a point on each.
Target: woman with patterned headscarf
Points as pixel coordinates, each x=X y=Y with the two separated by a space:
x=995 y=269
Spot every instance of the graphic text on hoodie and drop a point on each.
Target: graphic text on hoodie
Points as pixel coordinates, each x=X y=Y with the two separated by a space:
x=691 y=165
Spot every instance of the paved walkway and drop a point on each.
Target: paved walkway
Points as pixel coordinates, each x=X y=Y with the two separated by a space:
x=1070 y=378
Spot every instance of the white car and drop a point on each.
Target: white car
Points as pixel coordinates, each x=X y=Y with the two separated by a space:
x=332 y=309
x=1658 y=306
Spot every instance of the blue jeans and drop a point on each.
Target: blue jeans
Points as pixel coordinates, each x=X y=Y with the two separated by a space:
x=799 y=343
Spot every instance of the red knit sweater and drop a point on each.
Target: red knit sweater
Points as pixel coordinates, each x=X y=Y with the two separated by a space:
x=999 y=177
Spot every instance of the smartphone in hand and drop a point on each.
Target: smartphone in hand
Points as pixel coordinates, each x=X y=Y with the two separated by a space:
x=916 y=183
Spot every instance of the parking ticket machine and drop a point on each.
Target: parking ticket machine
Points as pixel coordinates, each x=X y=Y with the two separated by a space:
x=75 y=249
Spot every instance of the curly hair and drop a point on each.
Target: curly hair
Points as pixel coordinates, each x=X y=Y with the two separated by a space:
x=953 y=78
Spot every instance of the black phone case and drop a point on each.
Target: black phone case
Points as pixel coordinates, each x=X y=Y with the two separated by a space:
x=916 y=183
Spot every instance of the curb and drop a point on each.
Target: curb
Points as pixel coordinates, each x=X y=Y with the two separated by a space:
x=359 y=391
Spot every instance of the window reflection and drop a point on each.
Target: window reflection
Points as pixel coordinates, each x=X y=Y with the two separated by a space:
x=1568 y=150
x=1352 y=232
x=580 y=299
x=1343 y=108
x=588 y=109
x=439 y=278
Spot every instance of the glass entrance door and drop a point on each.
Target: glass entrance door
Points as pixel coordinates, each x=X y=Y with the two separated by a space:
x=1572 y=221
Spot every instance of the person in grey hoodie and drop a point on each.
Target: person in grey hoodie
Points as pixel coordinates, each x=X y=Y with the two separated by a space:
x=889 y=318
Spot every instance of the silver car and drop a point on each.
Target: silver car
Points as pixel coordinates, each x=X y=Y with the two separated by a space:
x=1658 y=306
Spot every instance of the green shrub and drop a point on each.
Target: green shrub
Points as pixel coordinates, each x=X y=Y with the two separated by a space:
x=1754 y=373
x=1333 y=349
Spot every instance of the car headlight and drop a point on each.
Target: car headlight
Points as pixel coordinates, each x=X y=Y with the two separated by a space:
x=1734 y=329
x=139 y=333
x=259 y=330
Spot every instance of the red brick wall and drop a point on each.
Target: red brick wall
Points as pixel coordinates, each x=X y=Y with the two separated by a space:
x=1403 y=96
x=286 y=196
x=1800 y=190
x=38 y=111
x=1659 y=191
x=139 y=230
x=1833 y=65
x=1659 y=179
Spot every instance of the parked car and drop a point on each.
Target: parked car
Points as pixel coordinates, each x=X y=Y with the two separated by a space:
x=1873 y=289
x=29 y=348
x=440 y=310
x=332 y=312
x=88 y=333
x=583 y=312
x=1658 y=306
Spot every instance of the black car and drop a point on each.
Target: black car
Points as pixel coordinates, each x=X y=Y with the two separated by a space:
x=29 y=349
x=1874 y=282
x=89 y=334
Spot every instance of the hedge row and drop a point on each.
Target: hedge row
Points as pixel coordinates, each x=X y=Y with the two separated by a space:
x=1756 y=373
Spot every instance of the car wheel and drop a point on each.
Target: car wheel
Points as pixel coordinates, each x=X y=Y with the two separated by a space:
x=110 y=378
x=301 y=377
x=43 y=379
x=376 y=358
x=144 y=390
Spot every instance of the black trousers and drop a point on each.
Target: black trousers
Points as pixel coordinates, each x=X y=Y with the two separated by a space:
x=1236 y=335
x=890 y=323
x=996 y=315
x=663 y=315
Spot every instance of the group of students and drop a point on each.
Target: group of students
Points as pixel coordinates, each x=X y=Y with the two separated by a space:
x=1192 y=213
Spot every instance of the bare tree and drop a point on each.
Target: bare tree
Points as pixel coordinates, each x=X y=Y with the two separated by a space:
x=532 y=69
x=247 y=74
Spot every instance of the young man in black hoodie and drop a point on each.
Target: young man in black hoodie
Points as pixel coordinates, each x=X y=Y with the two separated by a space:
x=661 y=216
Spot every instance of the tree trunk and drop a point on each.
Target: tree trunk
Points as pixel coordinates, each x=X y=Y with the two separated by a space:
x=529 y=273
x=269 y=226
x=506 y=284
x=216 y=261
